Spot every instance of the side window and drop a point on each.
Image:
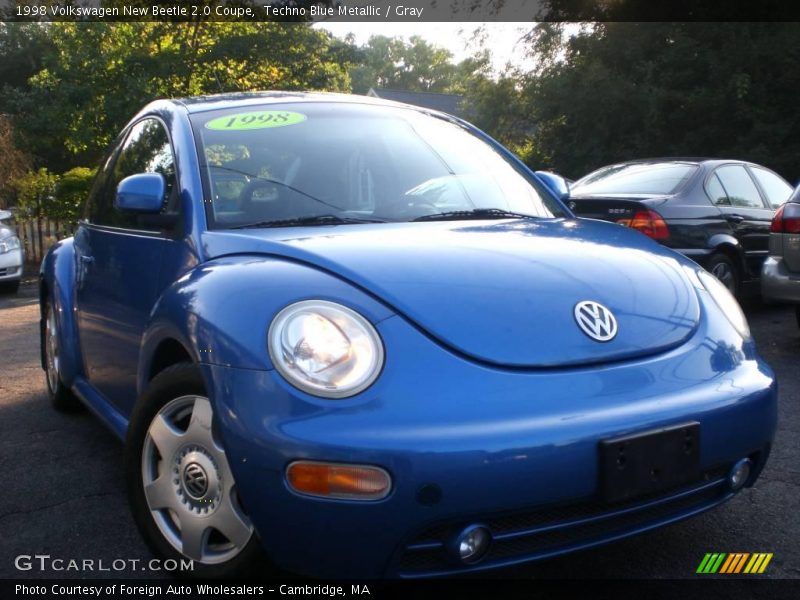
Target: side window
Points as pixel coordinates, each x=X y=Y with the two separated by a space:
x=146 y=150
x=742 y=192
x=716 y=192
x=775 y=189
x=97 y=194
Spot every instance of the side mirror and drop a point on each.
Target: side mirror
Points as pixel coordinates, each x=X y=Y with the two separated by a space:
x=5 y=214
x=557 y=184
x=142 y=193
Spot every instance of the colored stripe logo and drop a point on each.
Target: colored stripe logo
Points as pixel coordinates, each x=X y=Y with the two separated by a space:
x=734 y=563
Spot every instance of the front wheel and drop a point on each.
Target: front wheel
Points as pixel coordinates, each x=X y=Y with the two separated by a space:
x=180 y=485
x=723 y=268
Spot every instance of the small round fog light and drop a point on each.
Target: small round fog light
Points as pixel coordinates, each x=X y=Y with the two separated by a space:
x=739 y=474
x=473 y=543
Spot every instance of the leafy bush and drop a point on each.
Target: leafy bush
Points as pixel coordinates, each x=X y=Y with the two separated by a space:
x=36 y=192
x=70 y=194
x=41 y=194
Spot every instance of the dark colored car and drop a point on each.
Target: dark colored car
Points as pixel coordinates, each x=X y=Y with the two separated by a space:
x=716 y=212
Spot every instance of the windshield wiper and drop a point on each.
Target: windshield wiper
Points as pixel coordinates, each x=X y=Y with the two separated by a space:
x=475 y=213
x=307 y=221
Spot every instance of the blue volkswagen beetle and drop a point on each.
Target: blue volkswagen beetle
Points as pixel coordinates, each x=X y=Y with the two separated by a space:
x=364 y=339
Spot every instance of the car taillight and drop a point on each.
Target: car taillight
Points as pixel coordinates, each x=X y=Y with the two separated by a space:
x=787 y=219
x=649 y=222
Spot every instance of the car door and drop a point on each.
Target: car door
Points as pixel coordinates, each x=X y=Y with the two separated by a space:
x=749 y=216
x=119 y=259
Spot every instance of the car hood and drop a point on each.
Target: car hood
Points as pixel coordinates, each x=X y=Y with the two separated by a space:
x=501 y=292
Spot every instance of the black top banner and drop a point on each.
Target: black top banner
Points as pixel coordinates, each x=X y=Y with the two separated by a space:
x=399 y=10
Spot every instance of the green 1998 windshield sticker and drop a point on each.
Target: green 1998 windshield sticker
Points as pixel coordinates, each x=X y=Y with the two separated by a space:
x=256 y=120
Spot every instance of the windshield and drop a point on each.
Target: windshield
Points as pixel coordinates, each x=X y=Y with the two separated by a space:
x=637 y=178
x=347 y=163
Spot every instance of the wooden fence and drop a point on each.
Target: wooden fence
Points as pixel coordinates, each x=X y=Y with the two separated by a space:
x=38 y=235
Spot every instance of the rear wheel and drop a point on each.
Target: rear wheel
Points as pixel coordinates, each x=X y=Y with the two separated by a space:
x=60 y=395
x=722 y=267
x=180 y=486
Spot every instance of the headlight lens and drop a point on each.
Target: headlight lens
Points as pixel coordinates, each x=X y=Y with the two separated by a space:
x=325 y=349
x=726 y=302
x=8 y=244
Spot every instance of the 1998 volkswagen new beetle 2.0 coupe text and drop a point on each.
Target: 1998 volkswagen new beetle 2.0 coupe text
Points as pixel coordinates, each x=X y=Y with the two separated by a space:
x=365 y=339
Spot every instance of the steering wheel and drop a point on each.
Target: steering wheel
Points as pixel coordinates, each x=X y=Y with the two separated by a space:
x=273 y=206
x=412 y=209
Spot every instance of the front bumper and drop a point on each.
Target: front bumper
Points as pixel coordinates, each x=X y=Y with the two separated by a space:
x=778 y=283
x=465 y=443
x=11 y=265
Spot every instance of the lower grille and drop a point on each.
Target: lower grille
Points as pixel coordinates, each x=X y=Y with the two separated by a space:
x=549 y=530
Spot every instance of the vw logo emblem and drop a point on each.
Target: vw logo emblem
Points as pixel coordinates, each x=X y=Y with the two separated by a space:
x=596 y=321
x=572 y=205
x=195 y=480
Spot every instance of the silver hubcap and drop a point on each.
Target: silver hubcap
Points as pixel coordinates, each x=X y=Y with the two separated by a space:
x=51 y=350
x=189 y=486
x=723 y=272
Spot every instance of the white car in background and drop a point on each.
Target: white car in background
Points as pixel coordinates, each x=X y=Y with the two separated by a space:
x=11 y=257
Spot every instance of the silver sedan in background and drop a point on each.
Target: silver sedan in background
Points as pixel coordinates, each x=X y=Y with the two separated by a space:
x=780 y=275
x=11 y=257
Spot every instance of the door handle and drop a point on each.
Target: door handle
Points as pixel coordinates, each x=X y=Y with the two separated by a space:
x=87 y=260
x=734 y=218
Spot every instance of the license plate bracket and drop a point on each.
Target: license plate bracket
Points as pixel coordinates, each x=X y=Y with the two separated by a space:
x=652 y=461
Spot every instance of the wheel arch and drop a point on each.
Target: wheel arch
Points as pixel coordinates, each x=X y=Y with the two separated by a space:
x=219 y=312
x=57 y=284
x=730 y=246
x=163 y=345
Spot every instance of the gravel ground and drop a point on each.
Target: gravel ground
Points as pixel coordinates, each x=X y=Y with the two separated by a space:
x=64 y=492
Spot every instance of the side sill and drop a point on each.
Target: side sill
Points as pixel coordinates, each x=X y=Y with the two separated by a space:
x=101 y=407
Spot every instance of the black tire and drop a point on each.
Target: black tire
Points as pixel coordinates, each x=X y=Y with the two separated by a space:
x=60 y=395
x=172 y=383
x=723 y=268
x=797 y=313
x=9 y=287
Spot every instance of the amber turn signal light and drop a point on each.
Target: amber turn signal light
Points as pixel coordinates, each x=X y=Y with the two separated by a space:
x=336 y=480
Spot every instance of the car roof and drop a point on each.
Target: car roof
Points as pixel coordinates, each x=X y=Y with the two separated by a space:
x=694 y=160
x=196 y=104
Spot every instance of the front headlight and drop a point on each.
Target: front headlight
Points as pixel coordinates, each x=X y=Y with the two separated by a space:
x=726 y=302
x=325 y=349
x=8 y=244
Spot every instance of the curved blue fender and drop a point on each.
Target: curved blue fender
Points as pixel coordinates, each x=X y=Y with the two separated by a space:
x=57 y=275
x=221 y=310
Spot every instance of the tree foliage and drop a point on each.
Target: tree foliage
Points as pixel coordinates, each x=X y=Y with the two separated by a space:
x=416 y=66
x=13 y=162
x=95 y=76
x=621 y=91
x=584 y=97
x=36 y=194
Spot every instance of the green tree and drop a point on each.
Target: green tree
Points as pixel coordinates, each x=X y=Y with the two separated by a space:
x=97 y=75
x=619 y=91
x=415 y=65
x=70 y=192
x=13 y=164
x=36 y=194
